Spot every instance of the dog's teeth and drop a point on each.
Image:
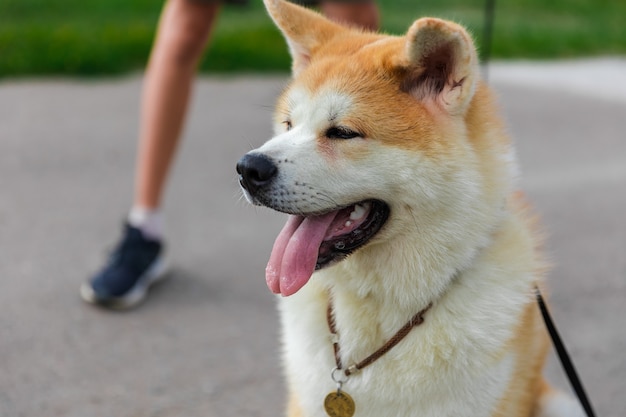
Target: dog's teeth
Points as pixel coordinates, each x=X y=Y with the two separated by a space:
x=348 y=223
x=358 y=212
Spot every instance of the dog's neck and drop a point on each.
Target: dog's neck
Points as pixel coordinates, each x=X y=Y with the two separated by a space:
x=423 y=279
x=407 y=289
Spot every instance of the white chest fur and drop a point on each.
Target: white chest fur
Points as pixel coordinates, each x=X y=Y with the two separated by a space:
x=455 y=364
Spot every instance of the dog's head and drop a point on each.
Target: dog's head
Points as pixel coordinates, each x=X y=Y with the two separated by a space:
x=374 y=141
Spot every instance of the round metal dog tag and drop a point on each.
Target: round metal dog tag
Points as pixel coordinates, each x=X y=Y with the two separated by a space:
x=339 y=404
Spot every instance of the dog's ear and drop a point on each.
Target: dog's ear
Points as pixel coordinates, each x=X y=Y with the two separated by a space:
x=443 y=65
x=303 y=29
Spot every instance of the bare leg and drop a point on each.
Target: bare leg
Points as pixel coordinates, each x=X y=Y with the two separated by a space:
x=182 y=35
x=360 y=14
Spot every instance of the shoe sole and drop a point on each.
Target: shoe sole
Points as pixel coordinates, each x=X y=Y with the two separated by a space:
x=137 y=293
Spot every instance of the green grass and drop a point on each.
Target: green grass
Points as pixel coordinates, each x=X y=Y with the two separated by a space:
x=103 y=37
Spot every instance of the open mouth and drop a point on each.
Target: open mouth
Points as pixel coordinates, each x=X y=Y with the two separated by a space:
x=351 y=228
x=309 y=243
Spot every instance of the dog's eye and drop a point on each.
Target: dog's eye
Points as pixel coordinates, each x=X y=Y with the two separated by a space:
x=287 y=124
x=340 y=132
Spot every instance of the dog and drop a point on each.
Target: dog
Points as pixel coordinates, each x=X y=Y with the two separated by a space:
x=406 y=228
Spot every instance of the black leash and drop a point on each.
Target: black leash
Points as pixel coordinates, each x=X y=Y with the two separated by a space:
x=566 y=362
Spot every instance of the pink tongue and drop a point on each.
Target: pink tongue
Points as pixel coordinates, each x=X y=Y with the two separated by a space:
x=295 y=253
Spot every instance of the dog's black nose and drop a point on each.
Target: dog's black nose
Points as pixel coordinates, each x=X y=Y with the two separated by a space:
x=255 y=171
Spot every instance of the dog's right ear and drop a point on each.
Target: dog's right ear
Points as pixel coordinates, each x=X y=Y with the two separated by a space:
x=442 y=64
x=303 y=29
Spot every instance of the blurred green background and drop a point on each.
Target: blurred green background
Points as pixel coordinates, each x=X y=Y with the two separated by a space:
x=104 y=37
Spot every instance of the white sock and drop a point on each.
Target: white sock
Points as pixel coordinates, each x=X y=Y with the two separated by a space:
x=149 y=221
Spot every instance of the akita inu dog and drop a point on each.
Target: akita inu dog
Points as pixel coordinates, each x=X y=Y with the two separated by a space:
x=409 y=260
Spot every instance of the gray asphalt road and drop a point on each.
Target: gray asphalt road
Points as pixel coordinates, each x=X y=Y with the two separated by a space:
x=205 y=342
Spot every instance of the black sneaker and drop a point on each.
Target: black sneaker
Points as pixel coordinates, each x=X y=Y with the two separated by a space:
x=135 y=264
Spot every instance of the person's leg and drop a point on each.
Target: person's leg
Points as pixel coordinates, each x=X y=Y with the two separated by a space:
x=363 y=14
x=137 y=261
x=181 y=37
